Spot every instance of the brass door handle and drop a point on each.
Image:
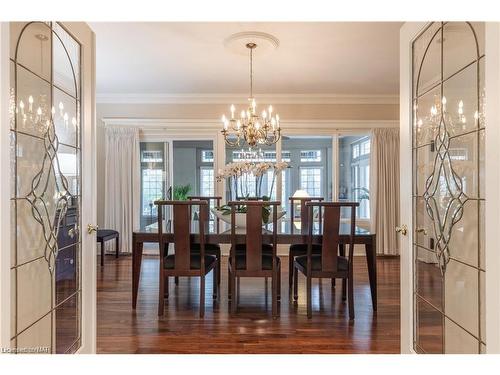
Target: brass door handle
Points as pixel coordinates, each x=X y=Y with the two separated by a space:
x=92 y=228
x=403 y=229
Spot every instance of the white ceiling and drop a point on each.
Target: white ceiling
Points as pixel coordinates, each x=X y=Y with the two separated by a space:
x=343 y=58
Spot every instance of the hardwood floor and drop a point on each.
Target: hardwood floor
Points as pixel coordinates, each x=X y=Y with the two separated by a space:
x=120 y=329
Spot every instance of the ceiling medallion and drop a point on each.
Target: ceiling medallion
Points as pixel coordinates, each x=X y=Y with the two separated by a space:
x=250 y=127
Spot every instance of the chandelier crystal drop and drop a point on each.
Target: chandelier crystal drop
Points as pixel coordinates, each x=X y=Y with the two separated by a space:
x=250 y=127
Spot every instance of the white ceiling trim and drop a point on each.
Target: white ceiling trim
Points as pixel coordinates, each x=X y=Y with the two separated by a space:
x=116 y=98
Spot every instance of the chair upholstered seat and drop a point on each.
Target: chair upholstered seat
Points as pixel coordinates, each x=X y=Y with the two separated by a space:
x=301 y=249
x=210 y=248
x=342 y=262
x=102 y=233
x=267 y=249
x=195 y=261
x=267 y=262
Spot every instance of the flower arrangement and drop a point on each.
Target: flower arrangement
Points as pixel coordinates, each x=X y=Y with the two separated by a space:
x=240 y=171
x=238 y=175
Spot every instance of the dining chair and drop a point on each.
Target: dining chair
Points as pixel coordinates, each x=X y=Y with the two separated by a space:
x=210 y=248
x=300 y=248
x=184 y=261
x=328 y=263
x=250 y=258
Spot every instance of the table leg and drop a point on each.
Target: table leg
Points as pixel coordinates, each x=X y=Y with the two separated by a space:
x=371 y=259
x=136 y=270
x=102 y=253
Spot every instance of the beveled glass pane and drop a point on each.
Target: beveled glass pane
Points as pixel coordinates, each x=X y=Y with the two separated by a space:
x=459 y=47
x=38 y=336
x=482 y=94
x=12 y=96
x=12 y=164
x=426 y=117
x=459 y=341
x=430 y=328
x=482 y=236
x=13 y=315
x=34 y=292
x=67 y=169
x=30 y=237
x=426 y=58
x=461 y=295
x=66 y=272
x=464 y=239
x=66 y=61
x=479 y=29
x=481 y=179
x=424 y=227
x=33 y=103
x=67 y=324
x=13 y=240
x=464 y=157
x=424 y=167
x=66 y=118
x=34 y=50
x=482 y=296
x=429 y=278
x=461 y=107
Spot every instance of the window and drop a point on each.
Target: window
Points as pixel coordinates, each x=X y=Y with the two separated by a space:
x=207 y=181
x=354 y=172
x=310 y=181
x=153 y=175
x=207 y=156
x=152 y=189
x=310 y=156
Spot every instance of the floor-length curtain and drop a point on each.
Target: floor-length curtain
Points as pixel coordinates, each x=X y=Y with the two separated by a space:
x=121 y=207
x=384 y=189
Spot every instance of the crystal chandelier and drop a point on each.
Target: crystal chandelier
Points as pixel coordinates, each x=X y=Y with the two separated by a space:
x=250 y=127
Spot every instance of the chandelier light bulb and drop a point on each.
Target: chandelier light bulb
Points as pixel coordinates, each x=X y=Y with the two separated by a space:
x=270 y=110
x=264 y=114
x=238 y=124
x=257 y=125
x=223 y=119
x=30 y=100
x=39 y=111
x=21 y=105
x=232 y=111
x=242 y=114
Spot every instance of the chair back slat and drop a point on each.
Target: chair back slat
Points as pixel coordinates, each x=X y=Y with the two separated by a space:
x=181 y=237
x=254 y=238
x=181 y=226
x=331 y=233
x=330 y=242
x=254 y=231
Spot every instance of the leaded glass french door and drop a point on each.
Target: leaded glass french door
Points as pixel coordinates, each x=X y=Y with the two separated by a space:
x=51 y=187
x=444 y=181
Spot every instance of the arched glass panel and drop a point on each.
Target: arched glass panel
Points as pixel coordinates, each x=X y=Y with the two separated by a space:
x=448 y=157
x=45 y=193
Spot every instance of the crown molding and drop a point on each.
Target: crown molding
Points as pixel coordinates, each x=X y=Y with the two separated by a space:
x=116 y=98
x=288 y=126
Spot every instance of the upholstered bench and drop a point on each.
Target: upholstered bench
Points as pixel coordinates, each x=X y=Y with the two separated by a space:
x=104 y=235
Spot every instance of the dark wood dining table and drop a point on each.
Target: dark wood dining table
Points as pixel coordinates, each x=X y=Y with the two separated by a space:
x=287 y=234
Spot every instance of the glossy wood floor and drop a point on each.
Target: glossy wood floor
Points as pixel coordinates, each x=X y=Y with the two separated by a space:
x=123 y=330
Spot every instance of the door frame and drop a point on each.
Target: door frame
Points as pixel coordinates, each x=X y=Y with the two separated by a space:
x=84 y=34
x=408 y=32
x=81 y=32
